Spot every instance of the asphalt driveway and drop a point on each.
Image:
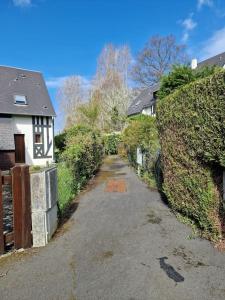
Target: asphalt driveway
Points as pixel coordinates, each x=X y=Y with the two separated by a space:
x=122 y=243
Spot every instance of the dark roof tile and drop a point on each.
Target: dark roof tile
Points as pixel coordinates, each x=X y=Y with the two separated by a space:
x=143 y=100
x=217 y=60
x=14 y=81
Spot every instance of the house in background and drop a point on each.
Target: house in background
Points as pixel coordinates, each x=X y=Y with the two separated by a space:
x=145 y=102
x=217 y=60
x=26 y=119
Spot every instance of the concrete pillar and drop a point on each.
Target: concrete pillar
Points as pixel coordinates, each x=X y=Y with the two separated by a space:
x=44 y=197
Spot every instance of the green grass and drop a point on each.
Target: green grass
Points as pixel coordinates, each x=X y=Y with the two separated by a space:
x=149 y=179
x=65 y=186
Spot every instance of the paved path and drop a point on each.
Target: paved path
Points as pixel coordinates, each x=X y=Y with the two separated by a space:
x=114 y=248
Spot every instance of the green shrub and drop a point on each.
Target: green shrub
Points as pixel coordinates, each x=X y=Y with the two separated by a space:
x=141 y=132
x=79 y=161
x=191 y=124
x=181 y=75
x=111 y=143
x=60 y=144
x=65 y=186
x=60 y=141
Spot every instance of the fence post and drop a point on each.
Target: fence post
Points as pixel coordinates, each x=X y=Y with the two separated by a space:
x=2 y=246
x=21 y=207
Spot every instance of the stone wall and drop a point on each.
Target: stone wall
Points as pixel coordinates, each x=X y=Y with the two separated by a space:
x=44 y=199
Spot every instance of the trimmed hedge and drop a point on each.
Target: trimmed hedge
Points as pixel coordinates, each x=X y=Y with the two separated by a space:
x=191 y=124
x=141 y=132
x=80 y=160
x=60 y=144
x=111 y=143
x=66 y=190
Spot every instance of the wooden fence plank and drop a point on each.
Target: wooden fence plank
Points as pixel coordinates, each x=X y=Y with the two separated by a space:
x=21 y=207
x=2 y=246
x=7 y=179
x=17 y=204
x=26 y=208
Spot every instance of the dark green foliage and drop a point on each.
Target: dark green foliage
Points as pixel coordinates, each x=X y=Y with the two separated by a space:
x=191 y=124
x=79 y=161
x=66 y=190
x=60 y=141
x=111 y=143
x=202 y=72
x=141 y=132
x=181 y=75
x=60 y=144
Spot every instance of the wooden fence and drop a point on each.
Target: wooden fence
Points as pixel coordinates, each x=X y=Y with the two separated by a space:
x=21 y=235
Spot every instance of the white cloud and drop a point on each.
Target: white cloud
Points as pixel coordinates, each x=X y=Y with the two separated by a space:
x=214 y=45
x=204 y=2
x=189 y=23
x=185 y=37
x=22 y=3
x=56 y=82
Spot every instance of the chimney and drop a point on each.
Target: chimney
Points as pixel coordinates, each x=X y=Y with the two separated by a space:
x=194 y=63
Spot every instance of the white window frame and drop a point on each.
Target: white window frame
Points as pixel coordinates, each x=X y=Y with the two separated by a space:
x=20 y=100
x=152 y=110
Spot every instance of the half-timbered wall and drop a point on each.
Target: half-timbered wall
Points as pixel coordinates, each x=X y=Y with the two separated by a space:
x=42 y=137
x=38 y=137
x=24 y=125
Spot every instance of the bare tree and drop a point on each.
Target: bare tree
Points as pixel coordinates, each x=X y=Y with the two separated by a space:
x=113 y=61
x=109 y=92
x=157 y=57
x=71 y=95
x=110 y=85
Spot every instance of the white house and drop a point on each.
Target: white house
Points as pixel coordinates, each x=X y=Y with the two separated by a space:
x=145 y=102
x=217 y=60
x=26 y=119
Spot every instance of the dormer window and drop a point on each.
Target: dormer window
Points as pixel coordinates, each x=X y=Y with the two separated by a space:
x=20 y=99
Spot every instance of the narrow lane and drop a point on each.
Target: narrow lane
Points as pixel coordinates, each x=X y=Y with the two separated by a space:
x=122 y=243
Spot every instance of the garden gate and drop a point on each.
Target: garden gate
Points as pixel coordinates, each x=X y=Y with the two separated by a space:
x=15 y=208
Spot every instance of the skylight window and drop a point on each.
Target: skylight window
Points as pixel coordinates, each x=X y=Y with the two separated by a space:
x=20 y=99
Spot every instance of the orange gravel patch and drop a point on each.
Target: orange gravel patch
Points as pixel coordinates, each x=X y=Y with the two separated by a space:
x=116 y=185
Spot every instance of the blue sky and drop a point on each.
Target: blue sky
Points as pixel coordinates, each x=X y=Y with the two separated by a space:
x=64 y=37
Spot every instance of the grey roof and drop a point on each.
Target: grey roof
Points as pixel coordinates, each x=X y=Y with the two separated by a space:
x=218 y=60
x=144 y=100
x=14 y=81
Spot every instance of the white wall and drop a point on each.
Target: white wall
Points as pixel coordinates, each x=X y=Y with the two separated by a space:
x=23 y=125
x=148 y=111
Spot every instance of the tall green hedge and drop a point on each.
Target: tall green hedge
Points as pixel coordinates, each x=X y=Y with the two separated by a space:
x=78 y=162
x=111 y=143
x=141 y=132
x=191 y=124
